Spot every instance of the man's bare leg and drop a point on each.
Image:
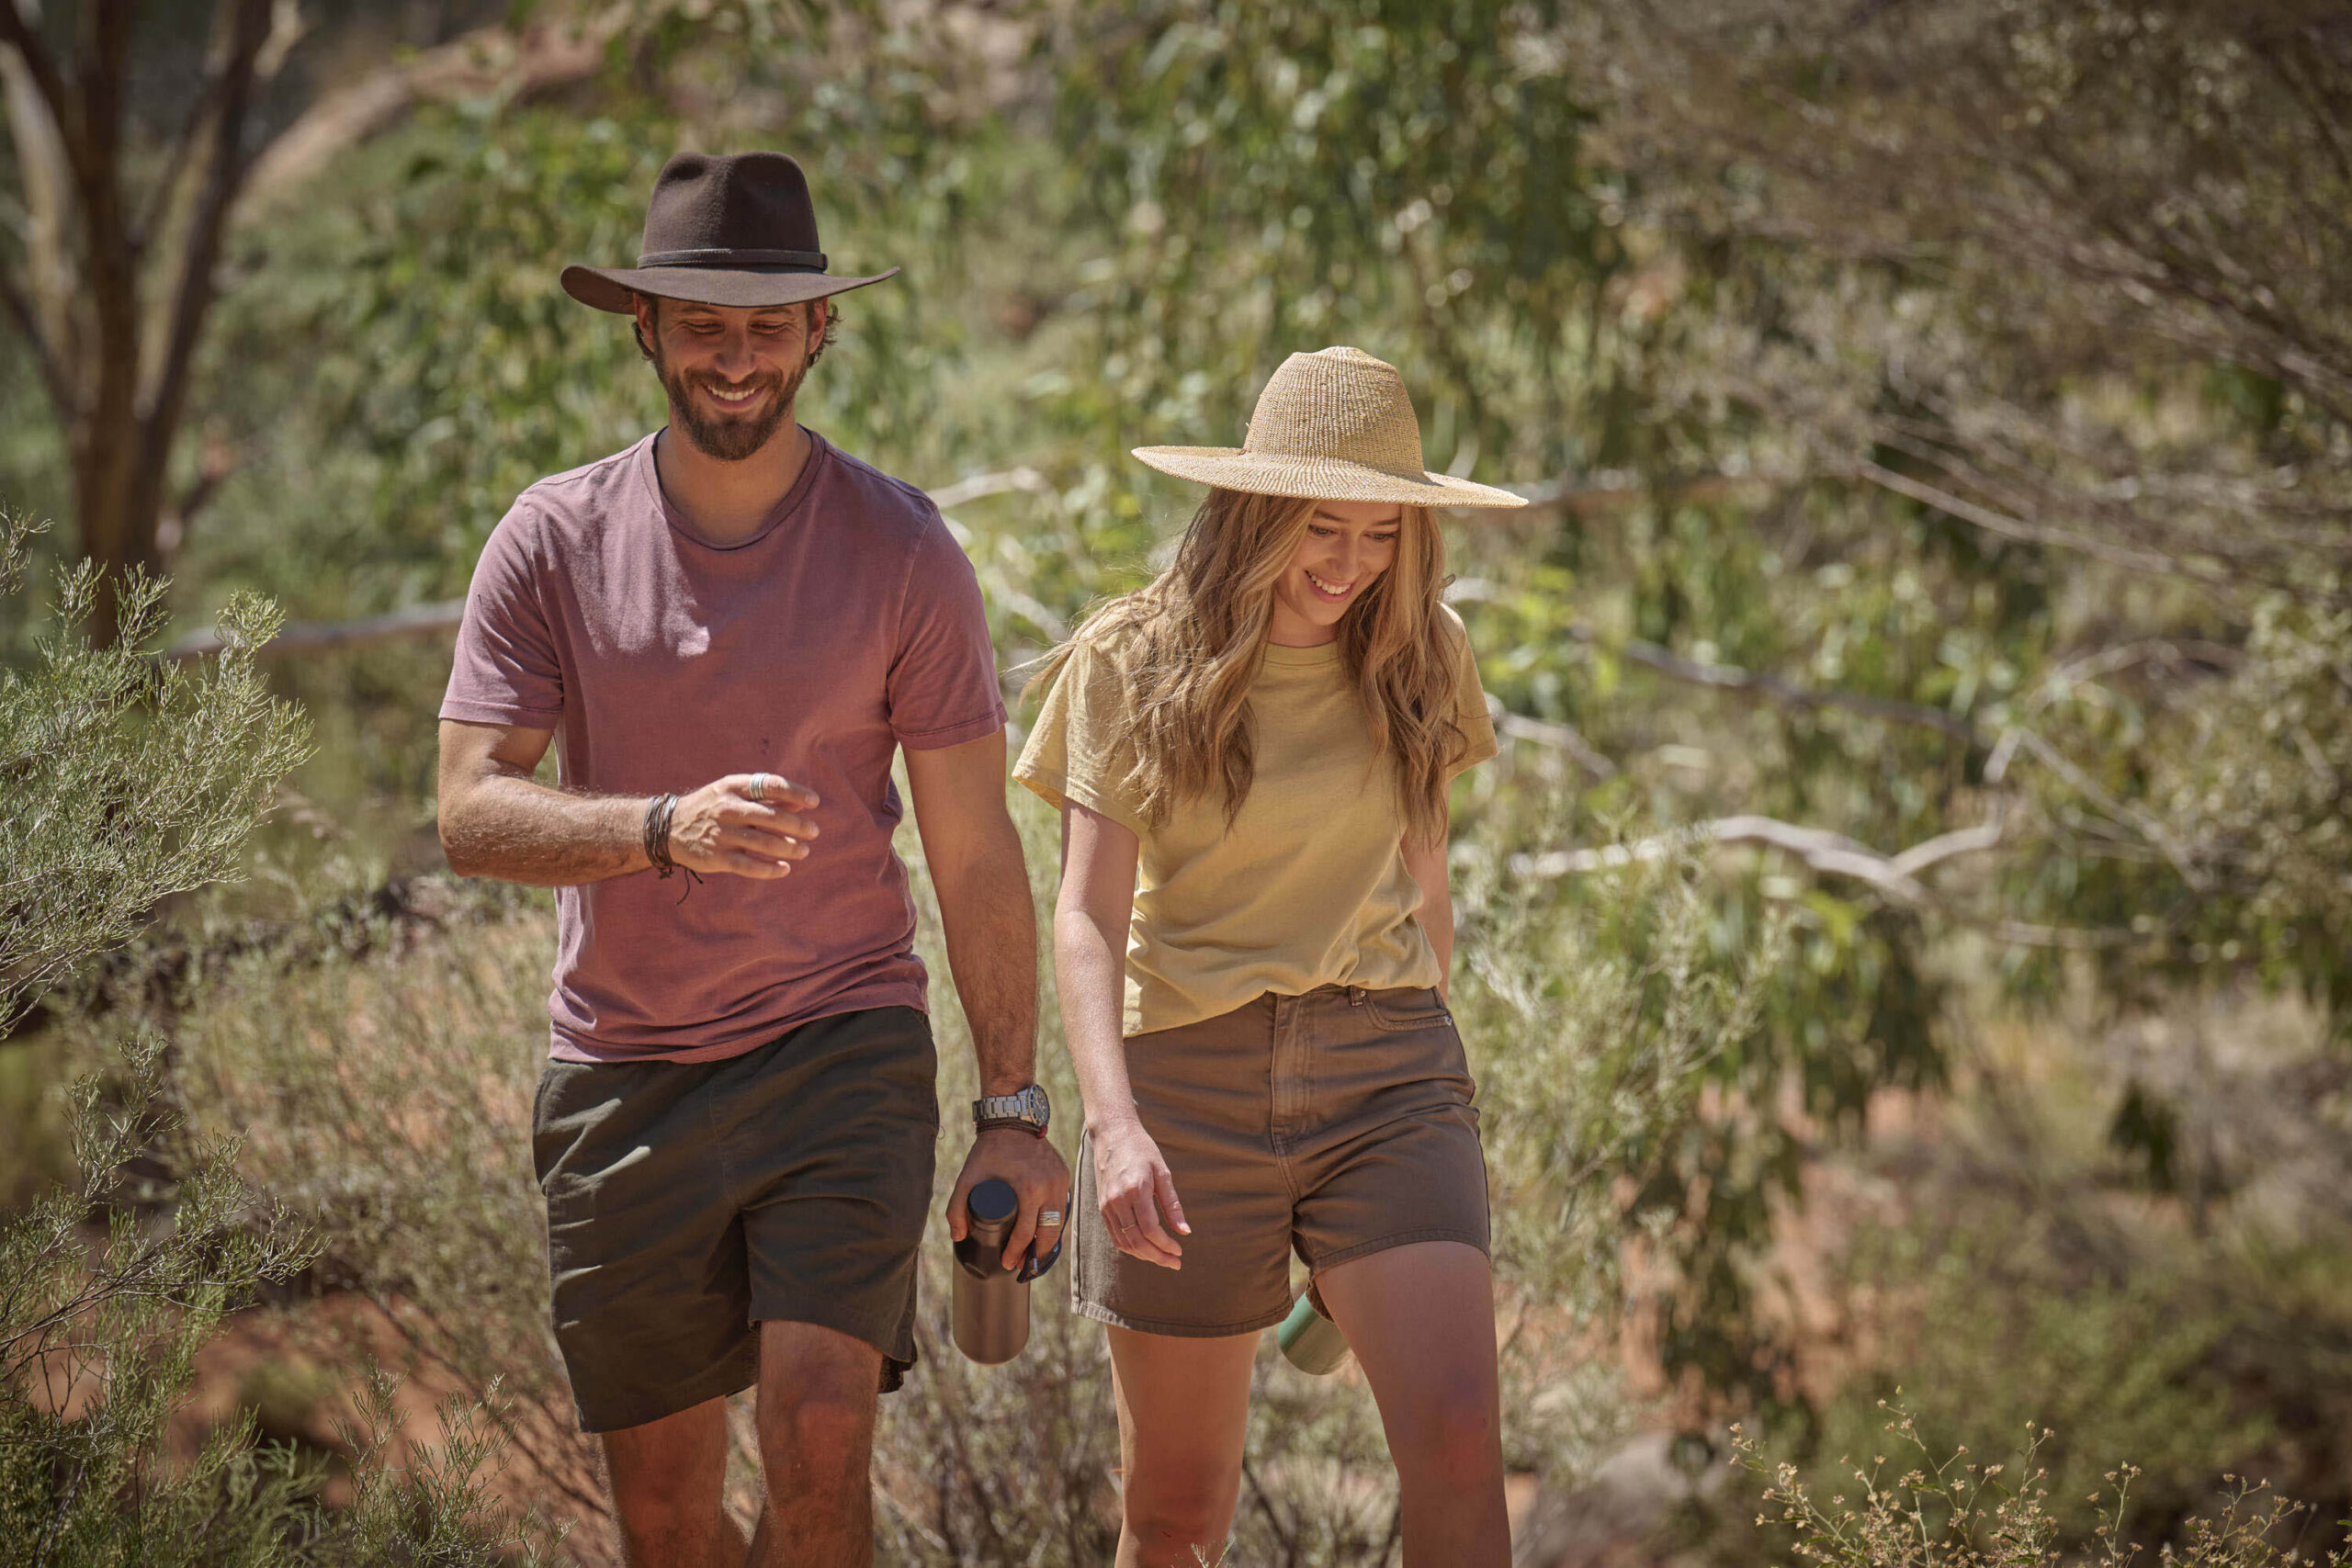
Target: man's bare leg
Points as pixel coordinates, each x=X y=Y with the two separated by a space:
x=667 y=1477
x=815 y=1419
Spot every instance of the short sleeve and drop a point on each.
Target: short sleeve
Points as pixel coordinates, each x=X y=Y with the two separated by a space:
x=506 y=670
x=1470 y=711
x=1082 y=748
x=941 y=687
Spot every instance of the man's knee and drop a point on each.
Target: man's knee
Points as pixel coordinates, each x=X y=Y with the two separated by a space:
x=816 y=1398
x=821 y=1428
x=666 y=1476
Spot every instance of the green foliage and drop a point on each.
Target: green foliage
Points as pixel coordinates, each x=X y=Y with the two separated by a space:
x=126 y=783
x=1985 y=366
x=417 y=359
x=130 y=783
x=2001 y=1331
x=1408 y=177
x=98 y=1339
x=385 y=1074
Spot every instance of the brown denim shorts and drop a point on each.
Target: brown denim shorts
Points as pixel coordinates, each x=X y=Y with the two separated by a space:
x=688 y=1201
x=1336 y=1124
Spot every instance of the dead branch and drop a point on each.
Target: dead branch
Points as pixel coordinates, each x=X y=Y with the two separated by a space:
x=1895 y=877
x=1550 y=732
x=948 y=498
x=489 y=60
x=314 y=636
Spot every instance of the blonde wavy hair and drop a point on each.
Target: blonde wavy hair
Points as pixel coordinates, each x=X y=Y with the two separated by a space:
x=1195 y=636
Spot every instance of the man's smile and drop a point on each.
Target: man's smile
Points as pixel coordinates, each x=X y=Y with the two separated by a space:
x=737 y=398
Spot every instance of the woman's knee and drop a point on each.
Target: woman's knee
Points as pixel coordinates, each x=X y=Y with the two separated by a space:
x=1182 y=1508
x=1452 y=1431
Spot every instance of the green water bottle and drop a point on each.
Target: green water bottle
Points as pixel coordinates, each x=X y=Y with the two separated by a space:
x=1310 y=1341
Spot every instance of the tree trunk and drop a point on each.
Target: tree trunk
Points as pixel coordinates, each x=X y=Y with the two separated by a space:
x=112 y=301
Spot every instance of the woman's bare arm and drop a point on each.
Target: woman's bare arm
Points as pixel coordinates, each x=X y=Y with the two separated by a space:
x=1091 y=917
x=1427 y=864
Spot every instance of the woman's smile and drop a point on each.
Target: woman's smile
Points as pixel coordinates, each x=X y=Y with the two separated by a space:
x=1335 y=589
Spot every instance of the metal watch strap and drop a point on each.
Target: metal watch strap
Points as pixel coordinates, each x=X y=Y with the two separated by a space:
x=1026 y=1108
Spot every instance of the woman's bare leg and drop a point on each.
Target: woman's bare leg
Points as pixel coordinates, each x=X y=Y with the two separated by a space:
x=1184 y=1411
x=1421 y=1319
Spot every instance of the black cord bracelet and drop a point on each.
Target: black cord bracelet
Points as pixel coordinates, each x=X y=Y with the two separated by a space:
x=658 y=812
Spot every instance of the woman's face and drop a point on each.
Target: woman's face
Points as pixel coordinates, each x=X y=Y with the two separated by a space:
x=1348 y=543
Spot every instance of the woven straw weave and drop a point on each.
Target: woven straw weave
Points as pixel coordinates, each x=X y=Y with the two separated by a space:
x=1331 y=426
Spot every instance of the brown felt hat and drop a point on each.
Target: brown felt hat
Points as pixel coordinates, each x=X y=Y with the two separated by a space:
x=737 y=231
x=1331 y=426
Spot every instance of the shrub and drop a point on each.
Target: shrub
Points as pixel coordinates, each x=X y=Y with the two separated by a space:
x=1944 y=1513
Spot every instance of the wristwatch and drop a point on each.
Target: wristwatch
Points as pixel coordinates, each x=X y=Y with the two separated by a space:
x=1026 y=1110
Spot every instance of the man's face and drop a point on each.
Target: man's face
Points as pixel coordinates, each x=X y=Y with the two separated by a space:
x=730 y=373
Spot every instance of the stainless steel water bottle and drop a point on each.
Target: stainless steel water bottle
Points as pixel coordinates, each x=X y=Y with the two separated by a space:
x=991 y=1301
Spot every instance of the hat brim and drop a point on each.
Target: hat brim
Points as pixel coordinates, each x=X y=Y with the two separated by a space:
x=1318 y=479
x=615 y=288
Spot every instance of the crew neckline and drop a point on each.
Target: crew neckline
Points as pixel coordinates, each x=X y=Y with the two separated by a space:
x=1281 y=658
x=819 y=451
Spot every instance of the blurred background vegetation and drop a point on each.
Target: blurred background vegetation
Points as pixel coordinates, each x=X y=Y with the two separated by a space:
x=1905 y=945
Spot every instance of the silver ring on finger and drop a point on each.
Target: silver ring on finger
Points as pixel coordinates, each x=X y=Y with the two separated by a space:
x=1049 y=1216
x=758 y=789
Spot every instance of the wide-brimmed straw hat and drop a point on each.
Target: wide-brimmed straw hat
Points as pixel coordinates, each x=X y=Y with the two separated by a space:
x=737 y=231
x=1331 y=426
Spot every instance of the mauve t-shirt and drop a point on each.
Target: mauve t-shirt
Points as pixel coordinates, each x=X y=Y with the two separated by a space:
x=850 y=623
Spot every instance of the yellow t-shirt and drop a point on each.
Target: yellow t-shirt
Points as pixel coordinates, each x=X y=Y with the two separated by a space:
x=1306 y=884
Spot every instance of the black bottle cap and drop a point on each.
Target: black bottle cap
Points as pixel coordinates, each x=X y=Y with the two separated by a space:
x=993 y=1202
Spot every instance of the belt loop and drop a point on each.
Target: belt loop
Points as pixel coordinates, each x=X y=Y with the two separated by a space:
x=1355 y=996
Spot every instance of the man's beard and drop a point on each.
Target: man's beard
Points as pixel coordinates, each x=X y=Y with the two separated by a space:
x=730 y=438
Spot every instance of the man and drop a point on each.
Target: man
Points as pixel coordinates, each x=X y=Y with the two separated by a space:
x=735 y=625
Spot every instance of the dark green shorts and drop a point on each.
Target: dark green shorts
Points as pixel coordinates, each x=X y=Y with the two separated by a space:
x=689 y=1201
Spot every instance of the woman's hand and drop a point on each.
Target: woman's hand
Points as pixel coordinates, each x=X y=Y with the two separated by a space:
x=1137 y=1193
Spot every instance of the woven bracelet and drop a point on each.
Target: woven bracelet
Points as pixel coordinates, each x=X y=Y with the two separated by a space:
x=657 y=832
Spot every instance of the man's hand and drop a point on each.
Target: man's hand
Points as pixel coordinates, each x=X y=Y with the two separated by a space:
x=743 y=825
x=1035 y=1170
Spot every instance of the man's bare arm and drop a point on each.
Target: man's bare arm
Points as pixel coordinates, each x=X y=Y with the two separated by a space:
x=976 y=863
x=497 y=820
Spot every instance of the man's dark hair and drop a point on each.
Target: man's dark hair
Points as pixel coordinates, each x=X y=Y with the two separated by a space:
x=808 y=309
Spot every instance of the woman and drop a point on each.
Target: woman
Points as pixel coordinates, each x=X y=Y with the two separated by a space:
x=1267 y=731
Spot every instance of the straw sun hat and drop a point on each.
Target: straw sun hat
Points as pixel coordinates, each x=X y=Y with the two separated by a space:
x=1331 y=426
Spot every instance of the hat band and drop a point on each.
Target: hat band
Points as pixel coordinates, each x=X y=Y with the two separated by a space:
x=1395 y=468
x=789 y=261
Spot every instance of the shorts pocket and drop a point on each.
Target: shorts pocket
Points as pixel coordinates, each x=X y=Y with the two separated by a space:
x=1417 y=1008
